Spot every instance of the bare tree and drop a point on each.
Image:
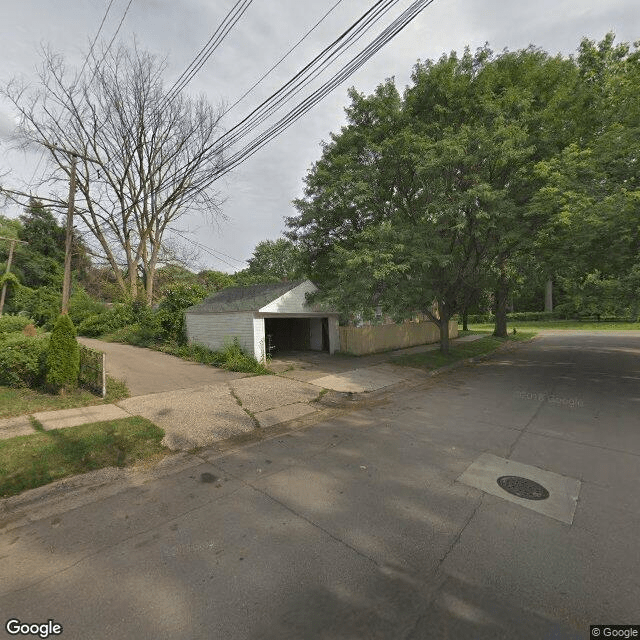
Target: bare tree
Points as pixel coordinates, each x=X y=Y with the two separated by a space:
x=142 y=160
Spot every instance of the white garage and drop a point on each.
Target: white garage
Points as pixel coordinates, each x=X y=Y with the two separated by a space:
x=265 y=318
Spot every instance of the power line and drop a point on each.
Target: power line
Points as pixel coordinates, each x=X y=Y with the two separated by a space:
x=106 y=51
x=209 y=250
x=95 y=39
x=229 y=21
x=304 y=106
x=329 y=52
x=284 y=57
x=264 y=110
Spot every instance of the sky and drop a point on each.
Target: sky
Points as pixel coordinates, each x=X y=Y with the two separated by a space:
x=258 y=194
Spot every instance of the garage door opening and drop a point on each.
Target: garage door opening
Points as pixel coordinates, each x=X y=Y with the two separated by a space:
x=296 y=334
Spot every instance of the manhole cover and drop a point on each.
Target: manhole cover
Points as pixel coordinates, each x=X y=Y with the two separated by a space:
x=523 y=488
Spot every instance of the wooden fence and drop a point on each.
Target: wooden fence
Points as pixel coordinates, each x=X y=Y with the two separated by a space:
x=373 y=339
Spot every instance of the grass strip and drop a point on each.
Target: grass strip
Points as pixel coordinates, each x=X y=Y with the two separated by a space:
x=20 y=401
x=576 y=325
x=461 y=351
x=34 y=460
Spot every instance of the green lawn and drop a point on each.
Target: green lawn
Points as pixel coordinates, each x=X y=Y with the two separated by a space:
x=43 y=457
x=459 y=351
x=16 y=402
x=558 y=324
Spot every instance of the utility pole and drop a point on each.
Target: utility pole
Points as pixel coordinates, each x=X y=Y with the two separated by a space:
x=8 y=269
x=66 y=282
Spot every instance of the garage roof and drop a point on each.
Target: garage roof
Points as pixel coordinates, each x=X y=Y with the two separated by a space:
x=251 y=298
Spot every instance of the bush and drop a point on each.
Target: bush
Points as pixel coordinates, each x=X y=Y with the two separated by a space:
x=82 y=306
x=172 y=307
x=13 y=324
x=231 y=357
x=111 y=320
x=42 y=304
x=63 y=359
x=23 y=360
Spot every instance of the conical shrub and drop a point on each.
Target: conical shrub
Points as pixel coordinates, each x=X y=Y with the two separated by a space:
x=63 y=359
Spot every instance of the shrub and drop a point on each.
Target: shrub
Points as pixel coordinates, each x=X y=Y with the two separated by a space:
x=23 y=360
x=231 y=357
x=82 y=306
x=111 y=320
x=172 y=307
x=63 y=359
x=13 y=324
x=42 y=304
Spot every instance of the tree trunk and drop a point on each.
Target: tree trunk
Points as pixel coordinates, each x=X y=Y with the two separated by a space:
x=465 y=316
x=444 y=326
x=548 y=295
x=502 y=293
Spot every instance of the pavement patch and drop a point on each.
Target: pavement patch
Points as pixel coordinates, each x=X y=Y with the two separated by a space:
x=359 y=380
x=485 y=472
x=192 y=417
x=80 y=415
x=261 y=393
x=283 y=414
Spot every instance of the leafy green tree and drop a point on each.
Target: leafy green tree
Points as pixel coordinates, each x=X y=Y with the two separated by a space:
x=590 y=191
x=172 y=308
x=276 y=259
x=63 y=359
x=215 y=280
x=421 y=198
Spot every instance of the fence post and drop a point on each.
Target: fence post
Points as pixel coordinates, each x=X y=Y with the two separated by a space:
x=104 y=375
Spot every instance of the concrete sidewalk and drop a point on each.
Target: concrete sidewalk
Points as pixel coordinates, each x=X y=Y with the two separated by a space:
x=199 y=416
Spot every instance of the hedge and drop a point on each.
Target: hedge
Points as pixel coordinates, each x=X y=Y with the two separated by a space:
x=23 y=360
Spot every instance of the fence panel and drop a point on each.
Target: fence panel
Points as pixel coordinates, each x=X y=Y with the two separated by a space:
x=93 y=370
x=373 y=339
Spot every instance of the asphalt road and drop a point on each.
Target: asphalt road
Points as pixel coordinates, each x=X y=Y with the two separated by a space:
x=359 y=527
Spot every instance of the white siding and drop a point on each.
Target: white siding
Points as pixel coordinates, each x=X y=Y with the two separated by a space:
x=316 y=334
x=334 y=335
x=259 y=340
x=293 y=301
x=214 y=330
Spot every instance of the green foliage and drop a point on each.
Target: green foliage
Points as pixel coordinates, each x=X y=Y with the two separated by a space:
x=275 y=260
x=35 y=460
x=41 y=261
x=215 y=280
x=63 y=359
x=82 y=306
x=13 y=324
x=231 y=357
x=23 y=360
x=113 y=319
x=42 y=304
x=171 y=310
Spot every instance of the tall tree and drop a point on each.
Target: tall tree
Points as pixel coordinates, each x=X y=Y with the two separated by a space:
x=143 y=159
x=417 y=199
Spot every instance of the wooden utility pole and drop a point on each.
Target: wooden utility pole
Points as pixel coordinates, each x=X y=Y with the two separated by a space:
x=66 y=283
x=8 y=269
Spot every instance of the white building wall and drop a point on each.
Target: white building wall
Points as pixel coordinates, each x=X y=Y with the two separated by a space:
x=315 y=339
x=294 y=301
x=214 y=330
x=334 y=335
x=259 y=340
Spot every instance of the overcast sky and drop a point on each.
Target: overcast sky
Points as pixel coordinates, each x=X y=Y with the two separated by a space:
x=258 y=194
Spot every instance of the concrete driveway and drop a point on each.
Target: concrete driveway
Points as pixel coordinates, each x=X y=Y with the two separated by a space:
x=147 y=371
x=365 y=526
